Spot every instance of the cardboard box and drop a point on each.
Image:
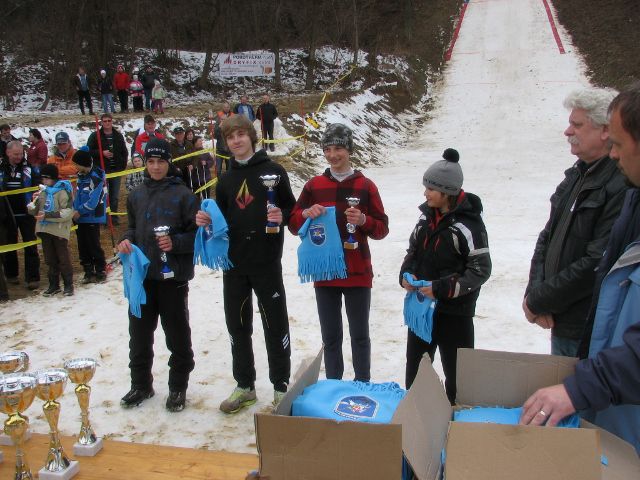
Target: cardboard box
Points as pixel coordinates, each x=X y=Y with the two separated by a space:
x=303 y=448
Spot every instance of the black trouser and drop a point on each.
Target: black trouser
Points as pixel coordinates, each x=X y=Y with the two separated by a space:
x=267 y=133
x=123 y=98
x=89 y=248
x=450 y=332
x=138 y=104
x=357 y=302
x=27 y=226
x=57 y=257
x=4 y=291
x=238 y=310
x=86 y=96
x=167 y=299
x=113 y=187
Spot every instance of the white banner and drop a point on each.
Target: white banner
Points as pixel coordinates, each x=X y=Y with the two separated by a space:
x=246 y=64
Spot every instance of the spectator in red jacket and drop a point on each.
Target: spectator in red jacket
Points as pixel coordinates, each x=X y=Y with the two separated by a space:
x=38 y=152
x=121 y=81
x=331 y=188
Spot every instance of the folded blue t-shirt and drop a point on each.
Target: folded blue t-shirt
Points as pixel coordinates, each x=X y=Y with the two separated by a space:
x=504 y=416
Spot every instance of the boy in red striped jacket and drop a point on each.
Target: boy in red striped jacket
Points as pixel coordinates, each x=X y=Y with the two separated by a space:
x=339 y=182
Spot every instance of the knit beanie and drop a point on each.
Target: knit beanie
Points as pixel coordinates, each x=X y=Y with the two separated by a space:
x=83 y=158
x=159 y=148
x=445 y=175
x=49 y=171
x=337 y=134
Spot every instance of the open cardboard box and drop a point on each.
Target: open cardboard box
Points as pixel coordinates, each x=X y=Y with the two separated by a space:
x=304 y=448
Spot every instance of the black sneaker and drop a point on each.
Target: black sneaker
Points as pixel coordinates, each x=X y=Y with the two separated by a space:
x=101 y=277
x=52 y=290
x=135 y=397
x=68 y=290
x=176 y=401
x=88 y=278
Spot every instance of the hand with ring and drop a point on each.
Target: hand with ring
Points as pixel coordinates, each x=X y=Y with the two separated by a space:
x=548 y=406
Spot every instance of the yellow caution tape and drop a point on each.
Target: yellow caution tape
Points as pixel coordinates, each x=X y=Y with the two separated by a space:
x=19 y=246
x=210 y=183
x=18 y=191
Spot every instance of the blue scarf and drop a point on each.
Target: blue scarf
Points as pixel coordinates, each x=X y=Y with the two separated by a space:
x=504 y=416
x=134 y=271
x=49 y=203
x=418 y=309
x=320 y=255
x=212 y=242
x=349 y=400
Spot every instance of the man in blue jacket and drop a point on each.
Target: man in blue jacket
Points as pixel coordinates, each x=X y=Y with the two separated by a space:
x=606 y=386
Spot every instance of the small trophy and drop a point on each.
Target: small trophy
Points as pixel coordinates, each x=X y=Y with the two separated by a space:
x=80 y=372
x=13 y=362
x=50 y=386
x=163 y=231
x=17 y=391
x=271 y=181
x=351 y=243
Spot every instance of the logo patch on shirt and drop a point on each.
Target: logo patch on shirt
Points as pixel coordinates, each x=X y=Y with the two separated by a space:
x=317 y=233
x=355 y=407
x=243 y=197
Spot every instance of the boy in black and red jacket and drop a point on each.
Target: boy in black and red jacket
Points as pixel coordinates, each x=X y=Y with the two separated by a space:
x=332 y=188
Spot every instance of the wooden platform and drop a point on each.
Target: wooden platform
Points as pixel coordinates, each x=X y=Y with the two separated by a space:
x=129 y=461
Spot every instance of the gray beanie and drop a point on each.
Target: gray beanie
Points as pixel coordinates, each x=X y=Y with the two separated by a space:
x=337 y=134
x=445 y=175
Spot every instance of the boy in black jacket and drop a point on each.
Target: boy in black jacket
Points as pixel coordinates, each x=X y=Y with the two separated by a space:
x=161 y=200
x=448 y=247
x=256 y=257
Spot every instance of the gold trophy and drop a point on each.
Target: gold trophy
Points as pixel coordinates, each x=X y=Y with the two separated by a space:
x=17 y=391
x=351 y=243
x=50 y=386
x=13 y=362
x=81 y=372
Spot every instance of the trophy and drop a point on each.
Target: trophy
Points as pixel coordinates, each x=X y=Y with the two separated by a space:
x=50 y=385
x=81 y=371
x=13 y=362
x=351 y=243
x=271 y=181
x=163 y=231
x=17 y=391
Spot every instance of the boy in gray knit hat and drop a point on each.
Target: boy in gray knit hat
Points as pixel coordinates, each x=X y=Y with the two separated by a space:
x=448 y=248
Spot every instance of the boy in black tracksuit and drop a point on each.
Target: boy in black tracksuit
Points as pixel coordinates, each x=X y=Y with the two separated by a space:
x=161 y=200
x=448 y=247
x=256 y=257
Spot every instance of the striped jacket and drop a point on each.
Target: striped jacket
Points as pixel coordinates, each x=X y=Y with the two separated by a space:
x=451 y=250
x=327 y=191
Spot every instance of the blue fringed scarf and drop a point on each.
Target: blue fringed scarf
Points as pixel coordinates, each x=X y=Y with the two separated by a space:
x=211 y=247
x=349 y=400
x=49 y=202
x=134 y=271
x=320 y=255
x=418 y=309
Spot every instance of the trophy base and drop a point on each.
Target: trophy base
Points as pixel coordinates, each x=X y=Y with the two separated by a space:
x=66 y=474
x=168 y=275
x=6 y=439
x=275 y=229
x=350 y=246
x=80 y=450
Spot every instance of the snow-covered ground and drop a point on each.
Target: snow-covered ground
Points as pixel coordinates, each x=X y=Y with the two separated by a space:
x=499 y=104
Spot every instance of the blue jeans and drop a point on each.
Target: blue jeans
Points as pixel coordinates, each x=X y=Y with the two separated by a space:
x=566 y=347
x=107 y=101
x=147 y=98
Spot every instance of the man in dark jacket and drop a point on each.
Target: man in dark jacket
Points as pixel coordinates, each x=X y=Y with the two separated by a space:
x=605 y=388
x=15 y=174
x=114 y=155
x=180 y=146
x=83 y=86
x=148 y=80
x=267 y=113
x=256 y=257
x=583 y=209
x=161 y=201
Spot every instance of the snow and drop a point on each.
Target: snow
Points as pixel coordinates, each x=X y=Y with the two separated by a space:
x=499 y=103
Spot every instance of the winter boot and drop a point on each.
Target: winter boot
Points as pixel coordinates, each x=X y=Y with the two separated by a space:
x=54 y=286
x=136 y=396
x=89 y=276
x=101 y=276
x=176 y=401
x=68 y=285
